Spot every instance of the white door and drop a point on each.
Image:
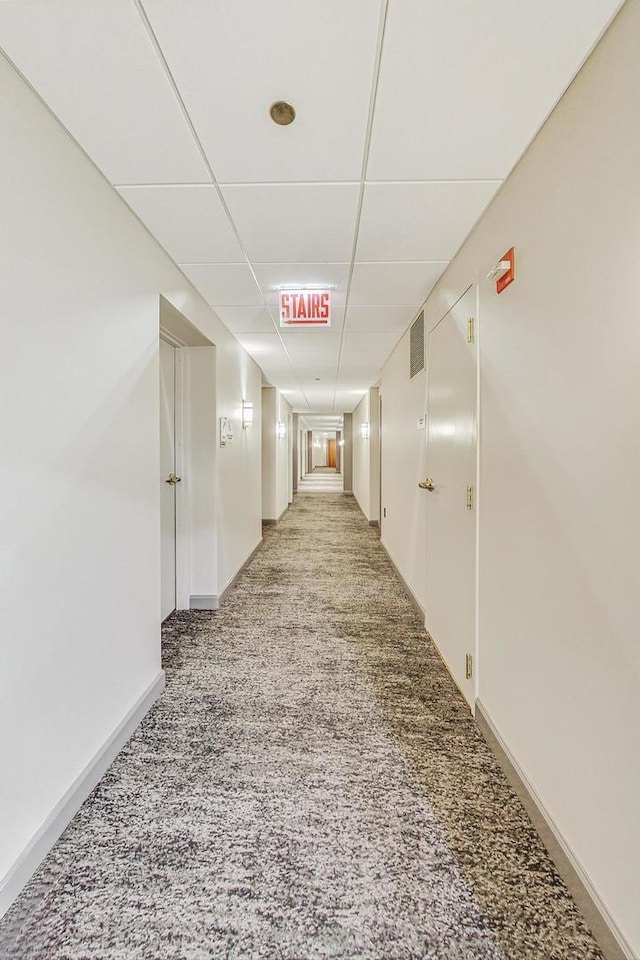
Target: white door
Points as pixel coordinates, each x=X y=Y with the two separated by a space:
x=167 y=478
x=451 y=504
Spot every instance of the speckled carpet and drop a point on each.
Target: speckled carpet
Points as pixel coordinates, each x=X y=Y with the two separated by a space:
x=310 y=786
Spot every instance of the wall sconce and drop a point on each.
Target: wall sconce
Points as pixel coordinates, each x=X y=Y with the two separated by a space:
x=280 y=430
x=247 y=414
x=364 y=429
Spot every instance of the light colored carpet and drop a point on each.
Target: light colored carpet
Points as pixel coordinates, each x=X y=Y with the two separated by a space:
x=310 y=786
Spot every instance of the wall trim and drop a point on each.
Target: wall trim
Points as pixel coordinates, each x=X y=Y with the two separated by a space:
x=23 y=868
x=270 y=521
x=415 y=603
x=232 y=582
x=204 y=601
x=610 y=938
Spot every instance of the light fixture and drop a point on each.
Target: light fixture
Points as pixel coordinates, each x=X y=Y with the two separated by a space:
x=247 y=414
x=282 y=113
x=280 y=429
x=364 y=429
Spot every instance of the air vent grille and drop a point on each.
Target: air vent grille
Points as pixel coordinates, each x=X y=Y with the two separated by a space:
x=416 y=346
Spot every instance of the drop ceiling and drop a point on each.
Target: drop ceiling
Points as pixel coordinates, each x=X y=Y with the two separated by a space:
x=410 y=114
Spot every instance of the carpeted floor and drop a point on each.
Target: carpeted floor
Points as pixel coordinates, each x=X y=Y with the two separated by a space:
x=310 y=786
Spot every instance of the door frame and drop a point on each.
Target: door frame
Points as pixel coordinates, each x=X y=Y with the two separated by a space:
x=181 y=459
x=476 y=640
x=178 y=331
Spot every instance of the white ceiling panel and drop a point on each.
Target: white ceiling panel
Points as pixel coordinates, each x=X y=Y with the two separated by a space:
x=369 y=346
x=465 y=86
x=264 y=348
x=373 y=319
x=271 y=276
x=224 y=284
x=348 y=400
x=310 y=336
x=362 y=371
x=324 y=372
x=311 y=339
x=231 y=61
x=393 y=283
x=94 y=65
x=295 y=398
x=419 y=221
x=246 y=319
x=190 y=222
x=295 y=222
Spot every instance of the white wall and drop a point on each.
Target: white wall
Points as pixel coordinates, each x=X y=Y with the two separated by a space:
x=277 y=454
x=318 y=451
x=284 y=456
x=559 y=466
x=366 y=456
x=79 y=535
x=403 y=466
x=199 y=482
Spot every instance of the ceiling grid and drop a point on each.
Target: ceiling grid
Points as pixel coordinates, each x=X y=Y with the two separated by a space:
x=409 y=116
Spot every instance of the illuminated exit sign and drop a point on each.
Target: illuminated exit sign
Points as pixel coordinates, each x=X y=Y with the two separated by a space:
x=305 y=308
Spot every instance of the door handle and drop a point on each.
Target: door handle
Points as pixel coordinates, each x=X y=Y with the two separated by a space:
x=173 y=479
x=427 y=484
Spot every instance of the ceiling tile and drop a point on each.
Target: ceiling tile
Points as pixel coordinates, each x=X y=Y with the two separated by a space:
x=393 y=283
x=270 y=276
x=231 y=61
x=294 y=222
x=419 y=221
x=348 y=400
x=362 y=372
x=465 y=86
x=309 y=371
x=374 y=319
x=264 y=348
x=311 y=341
x=364 y=346
x=94 y=65
x=246 y=319
x=224 y=284
x=189 y=222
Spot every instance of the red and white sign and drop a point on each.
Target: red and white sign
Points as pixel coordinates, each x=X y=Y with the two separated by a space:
x=305 y=308
x=509 y=275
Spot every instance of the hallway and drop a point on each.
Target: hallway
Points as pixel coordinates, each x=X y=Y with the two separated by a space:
x=310 y=786
x=321 y=480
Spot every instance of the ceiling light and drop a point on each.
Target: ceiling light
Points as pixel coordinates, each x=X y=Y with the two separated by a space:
x=282 y=113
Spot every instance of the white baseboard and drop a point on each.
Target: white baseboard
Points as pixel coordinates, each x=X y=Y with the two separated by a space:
x=610 y=938
x=203 y=601
x=65 y=810
x=244 y=566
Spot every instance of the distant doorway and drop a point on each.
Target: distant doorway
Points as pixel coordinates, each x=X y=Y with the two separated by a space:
x=331 y=453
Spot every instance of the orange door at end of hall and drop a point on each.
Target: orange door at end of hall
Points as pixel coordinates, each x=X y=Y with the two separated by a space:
x=331 y=453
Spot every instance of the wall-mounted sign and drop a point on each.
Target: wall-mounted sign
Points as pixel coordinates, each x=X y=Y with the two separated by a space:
x=504 y=271
x=226 y=431
x=305 y=308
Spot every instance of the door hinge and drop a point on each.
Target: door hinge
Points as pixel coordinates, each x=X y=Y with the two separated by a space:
x=469 y=498
x=468 y=667
x=471 y=330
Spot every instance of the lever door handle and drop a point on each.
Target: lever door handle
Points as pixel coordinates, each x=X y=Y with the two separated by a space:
x=427 y=484
x=173 y=479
